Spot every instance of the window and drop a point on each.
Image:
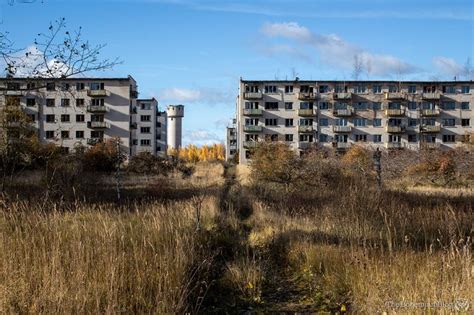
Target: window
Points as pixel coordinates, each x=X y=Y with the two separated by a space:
x=361 y=106
x=145 y=130
x=50 y=102
x=306 y=105
x=145 y=142
x=288 y=105
x=251 y=105
x=340 y=89
x=30 y=102
x=271 y=122
x=412 y=89
x=377 y=122
x=64 y=134
x=465 y=89
x=80 y=118
x=324 y=122
x=80 y=86
x=145 y=118
x=361 y=138
x=50 y=86
x=145 y=106
x=324 y=89
x=376 y=106
x=49 y=134
x=271 y=137
x=323 y=105
x=323 y=137
x=377 y=138
x=412 y=138
x=427 y=105
x=271 y=105
x=97 y=134
x=96 y=86
x=465 y=122
x=135 y=141
x=65 y=86
x=377 y=89
x=360 y=89
x=449 y=89
x=306 y=138
x=411 y=105
x=449 y=122
x=306 y=89
x=288 y=88
x=448 y=105
x=79 y=102
x=97 y=117
x=394 y=105
x=340 y=122
x=65 y=118
x=306 y=122
x=270 y=89
x=97 y=102
x=360 y=122
x=465 y=105
x=79 y=134
x=50 y=118
x=448 y=138
x=30 y=86
x=251 y=88
x=158 y=124
x=393 y=89
x=65 y=102
x=288 y=122
x=412 y=122
x=251 y=121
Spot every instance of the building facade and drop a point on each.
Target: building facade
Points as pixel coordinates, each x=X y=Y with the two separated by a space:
x=339 y=114
x=231 y=143
x=84 y=111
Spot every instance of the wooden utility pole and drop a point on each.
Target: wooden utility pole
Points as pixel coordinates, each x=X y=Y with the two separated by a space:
x=378 y=167
x=117 y=173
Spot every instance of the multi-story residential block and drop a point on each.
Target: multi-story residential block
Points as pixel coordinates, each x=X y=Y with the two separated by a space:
x=231 y=142
x=83 y=111
x=339 y=114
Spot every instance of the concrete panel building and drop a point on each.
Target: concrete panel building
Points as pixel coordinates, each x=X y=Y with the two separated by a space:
x=231 y=143
x=339 y=114
x=73 y=111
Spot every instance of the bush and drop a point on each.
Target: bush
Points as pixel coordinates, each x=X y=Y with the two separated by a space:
x=146 y=163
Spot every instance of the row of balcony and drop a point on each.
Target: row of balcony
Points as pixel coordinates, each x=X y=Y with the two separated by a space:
x=347 y=112
x=348 y=95
x=258 y=128
x=348 y=129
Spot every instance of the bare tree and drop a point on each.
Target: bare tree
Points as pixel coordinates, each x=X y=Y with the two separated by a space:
x=368 y=68
x=357 y=67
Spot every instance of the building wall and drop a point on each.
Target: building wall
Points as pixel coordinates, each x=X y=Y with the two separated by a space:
x=231 y=143
x=145 y=108
x=161 y=134
x=330 y=137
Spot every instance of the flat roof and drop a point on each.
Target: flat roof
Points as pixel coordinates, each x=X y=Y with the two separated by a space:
x=68 y=79
x=354 y=81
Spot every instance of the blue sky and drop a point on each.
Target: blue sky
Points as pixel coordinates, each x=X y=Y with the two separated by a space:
x=194 y=52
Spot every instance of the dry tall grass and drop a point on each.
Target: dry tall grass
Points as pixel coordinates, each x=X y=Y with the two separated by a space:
x=102 y=259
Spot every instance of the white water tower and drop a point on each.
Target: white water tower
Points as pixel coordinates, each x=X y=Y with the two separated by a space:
x=175 y=114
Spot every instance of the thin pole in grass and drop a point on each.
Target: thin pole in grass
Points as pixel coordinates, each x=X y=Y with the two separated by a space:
x=378 y=167
x=117 y=173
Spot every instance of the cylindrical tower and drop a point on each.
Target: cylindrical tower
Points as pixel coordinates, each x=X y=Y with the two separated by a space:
x=175 y=114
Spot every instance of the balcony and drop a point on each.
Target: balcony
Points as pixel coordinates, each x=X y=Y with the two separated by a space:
x=429 y=145
x=305 y=129
x=97 y=93
x=253 y=95
x=252 y=112
x=94 y=141
x=97 y=124
x=96 y=109
x=13 y=93
x=343 y=112
x=305 y=145
x=342 y=145
x=251 y=128
x=431 y=96
x=306 y=112
x=343 y=96
x=306 y=96
x=395 y=129
x=342 y=129
x=394 y=145
x=133 y=94
x=395 y=96
x=430 y=112
x=430 y=128
x=133 y=125
x=250 y=144
x=394 y=112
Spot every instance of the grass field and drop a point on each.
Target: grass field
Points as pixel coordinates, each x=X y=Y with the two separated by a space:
x=212 y=245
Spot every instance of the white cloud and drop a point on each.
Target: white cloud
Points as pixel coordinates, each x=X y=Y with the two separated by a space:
x=447 y=66
x=201 y=137
x=200 y=95
x=332 y=49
